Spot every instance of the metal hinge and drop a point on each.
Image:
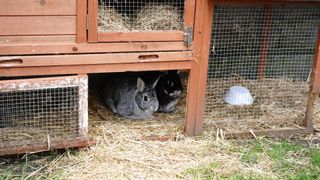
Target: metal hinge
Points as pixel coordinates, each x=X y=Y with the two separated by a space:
x=87 y=21
x=188 y=35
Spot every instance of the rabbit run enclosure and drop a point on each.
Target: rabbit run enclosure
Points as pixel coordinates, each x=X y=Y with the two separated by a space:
x=260 y=66
x=41 y=114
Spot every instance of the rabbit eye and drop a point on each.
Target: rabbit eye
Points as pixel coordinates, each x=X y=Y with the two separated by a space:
x=170 y=83
x=145 y=98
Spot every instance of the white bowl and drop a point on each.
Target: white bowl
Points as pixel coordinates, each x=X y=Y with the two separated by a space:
x=238 y=96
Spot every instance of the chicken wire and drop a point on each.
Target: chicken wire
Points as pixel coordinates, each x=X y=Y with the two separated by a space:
x=140 y=15
x=38 y=115
x=269 y=50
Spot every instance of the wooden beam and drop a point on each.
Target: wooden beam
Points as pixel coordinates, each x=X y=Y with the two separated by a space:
x=81 y=21
x=36 y=47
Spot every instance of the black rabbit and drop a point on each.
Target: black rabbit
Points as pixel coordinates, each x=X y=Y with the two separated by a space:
x=128 y=95
x=169 y=89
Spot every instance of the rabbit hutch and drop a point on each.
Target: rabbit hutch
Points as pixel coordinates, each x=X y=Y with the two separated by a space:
x=259 y=63
x=48 y=48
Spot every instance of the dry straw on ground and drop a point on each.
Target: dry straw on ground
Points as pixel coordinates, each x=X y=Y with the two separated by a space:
x=279 y=103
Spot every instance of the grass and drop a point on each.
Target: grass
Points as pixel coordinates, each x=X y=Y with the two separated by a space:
x=286 y=159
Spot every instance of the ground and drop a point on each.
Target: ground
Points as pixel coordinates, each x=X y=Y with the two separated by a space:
x=158 y=149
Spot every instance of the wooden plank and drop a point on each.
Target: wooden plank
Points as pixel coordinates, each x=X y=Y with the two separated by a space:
x=24 y=40
x=37 y=25
x=190 y=7
x=37 y=7
x=265 y=42
x=140 y=36
x=55 y=144
x=315 y=86
x=38 y=48
x=202 y=47
x=94 y=68
x=267 y=2
x=81 y=21
x=282 y=132
x=58 y=60
x=190 y=120
x=92 y=21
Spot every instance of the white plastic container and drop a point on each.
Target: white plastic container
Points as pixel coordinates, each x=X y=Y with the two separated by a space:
x=238 y=96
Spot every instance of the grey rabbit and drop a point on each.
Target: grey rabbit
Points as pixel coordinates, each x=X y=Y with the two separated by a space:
x=129 y=96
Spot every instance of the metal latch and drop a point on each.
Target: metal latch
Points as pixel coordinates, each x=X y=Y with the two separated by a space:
x=188 y=35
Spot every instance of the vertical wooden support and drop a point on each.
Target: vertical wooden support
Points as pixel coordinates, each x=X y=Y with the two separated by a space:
x=265 y=41
x=81 y=21
x=93 y=21
x=190 y=7
x=315 y=86
x=202 y=37
x=190 y=121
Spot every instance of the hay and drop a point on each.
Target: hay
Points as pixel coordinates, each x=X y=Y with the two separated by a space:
x=158 y=17
x=109 y=20
x=278 y=103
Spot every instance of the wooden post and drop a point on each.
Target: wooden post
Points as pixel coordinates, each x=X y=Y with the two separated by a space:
x=265 y=42
x=81 y=21
x=315 y=86
x=202 y=37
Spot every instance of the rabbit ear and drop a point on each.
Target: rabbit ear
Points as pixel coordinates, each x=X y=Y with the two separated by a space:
x=140 y=84
x=153 y=85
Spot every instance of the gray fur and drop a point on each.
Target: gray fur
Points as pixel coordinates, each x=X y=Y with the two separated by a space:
x=129 y=96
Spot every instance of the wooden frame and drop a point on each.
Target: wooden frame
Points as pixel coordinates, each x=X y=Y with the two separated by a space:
x=205 y=10
x=80 y=81
x=94 y=36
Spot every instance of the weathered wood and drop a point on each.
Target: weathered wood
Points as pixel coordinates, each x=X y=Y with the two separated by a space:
x=24 y=40
x=37 y=25
x=37 y=7
x=81 y=21
x=96 y=68
x=140 y=36
x=59 y=48
x=58 y=60
x=55 y=144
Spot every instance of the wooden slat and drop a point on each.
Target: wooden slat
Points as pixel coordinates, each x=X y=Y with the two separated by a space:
x=37 y=25
x=190 y=6
x=23 y=40
x=316 y=67
x=25 y=61
x=61 y=144
x=140 y=36
x=96 y=68
x=92 y=21
x=267 y=2
x=81 y=21
x=90 y=48
x=37 y=7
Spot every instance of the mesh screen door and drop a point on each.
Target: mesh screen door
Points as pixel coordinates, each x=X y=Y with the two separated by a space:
x=37 y=112
x=269 y=51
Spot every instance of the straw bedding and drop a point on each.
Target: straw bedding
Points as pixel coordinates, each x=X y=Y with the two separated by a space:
x=148 y=18
x=278 y=103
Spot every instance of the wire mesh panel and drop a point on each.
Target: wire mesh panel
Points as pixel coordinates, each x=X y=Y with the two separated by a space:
x=38 y=111
x=140 y=15
x=260 y=61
